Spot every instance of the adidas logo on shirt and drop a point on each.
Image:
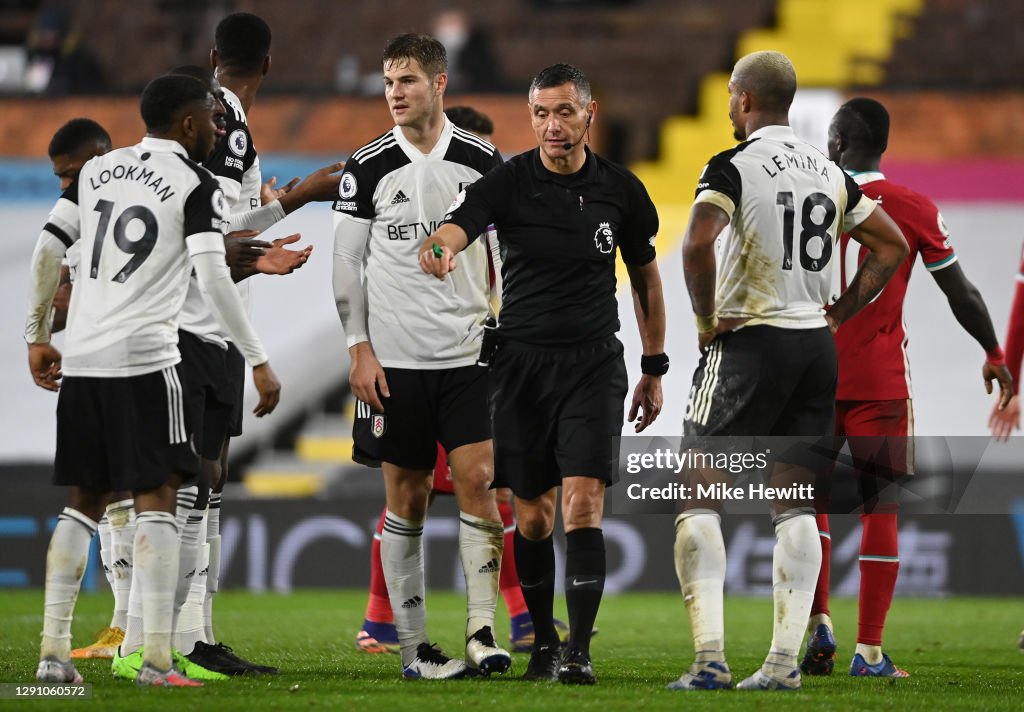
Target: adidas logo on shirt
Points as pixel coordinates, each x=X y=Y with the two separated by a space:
x=491 y=567
x=400 y=197
x=415 y=601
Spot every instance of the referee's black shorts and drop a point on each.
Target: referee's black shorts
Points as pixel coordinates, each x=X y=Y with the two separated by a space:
x=764 y=380
x=555 y=413
x=123 y=433
x=426 y=407
x=211 y=392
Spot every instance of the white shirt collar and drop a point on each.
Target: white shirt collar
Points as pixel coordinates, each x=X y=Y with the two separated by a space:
x=438 y=151
x=164 y=145
x=776 y=132
x=862 y=177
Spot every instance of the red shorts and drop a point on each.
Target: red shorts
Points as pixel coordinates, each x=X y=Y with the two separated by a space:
x=879 y=432
x=443 y=483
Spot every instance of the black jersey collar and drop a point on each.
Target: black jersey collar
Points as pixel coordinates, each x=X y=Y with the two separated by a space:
x=586 y=174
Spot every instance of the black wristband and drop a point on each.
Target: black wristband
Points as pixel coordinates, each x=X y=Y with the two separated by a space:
x=654 y=365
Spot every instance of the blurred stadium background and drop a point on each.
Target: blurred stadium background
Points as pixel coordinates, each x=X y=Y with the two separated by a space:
x=298 y=512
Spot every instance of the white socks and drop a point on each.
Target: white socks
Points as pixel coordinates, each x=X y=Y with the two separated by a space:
x=65 y=564
x=103 y=529
x=186 y=503
x=157 y=550
x=819 y=619
x=189 y=629
x=133 y=623
x=872 y=654
x=700 y=565
x=401 y=555
x=213 y=570
x=121 y=518
x=189 y=555
x=480 y=545
x=796 y=562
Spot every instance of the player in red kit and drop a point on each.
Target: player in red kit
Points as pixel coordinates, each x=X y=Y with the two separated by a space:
x=874 y=393
x=1005 y=420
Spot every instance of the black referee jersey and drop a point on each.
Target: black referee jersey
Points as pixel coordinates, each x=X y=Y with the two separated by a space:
x=558 y=236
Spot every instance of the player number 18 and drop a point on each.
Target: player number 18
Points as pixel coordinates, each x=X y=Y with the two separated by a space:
x=809 y=229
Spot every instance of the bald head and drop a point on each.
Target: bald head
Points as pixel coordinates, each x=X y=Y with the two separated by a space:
x=769 y=78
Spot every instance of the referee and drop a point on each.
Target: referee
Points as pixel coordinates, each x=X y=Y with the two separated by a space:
x=558 y=381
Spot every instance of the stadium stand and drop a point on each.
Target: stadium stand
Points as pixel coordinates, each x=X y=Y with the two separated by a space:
x=639 y=80
x=657 y=67
x=961 y=44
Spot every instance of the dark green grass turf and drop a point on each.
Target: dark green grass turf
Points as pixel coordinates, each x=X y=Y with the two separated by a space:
x=962 y=654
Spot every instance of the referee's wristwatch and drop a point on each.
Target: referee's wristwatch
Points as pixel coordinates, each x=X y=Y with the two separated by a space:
x=654 y=365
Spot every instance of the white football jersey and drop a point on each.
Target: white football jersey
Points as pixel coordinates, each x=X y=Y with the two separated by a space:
x=129 y=213
x=788 y=205
x=236 y=165
x=399 y=196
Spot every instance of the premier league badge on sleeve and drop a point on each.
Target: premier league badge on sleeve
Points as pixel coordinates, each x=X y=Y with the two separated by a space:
x=238 y=142
x=377 y=425
x=348 y=186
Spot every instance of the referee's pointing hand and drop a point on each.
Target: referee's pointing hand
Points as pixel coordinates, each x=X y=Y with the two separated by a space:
x=436 y=259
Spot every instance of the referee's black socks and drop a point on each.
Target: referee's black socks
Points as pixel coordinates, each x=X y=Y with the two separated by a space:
x=535 y=562
x=584 y=583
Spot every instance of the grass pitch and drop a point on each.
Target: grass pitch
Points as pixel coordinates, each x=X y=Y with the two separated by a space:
x=961 y=653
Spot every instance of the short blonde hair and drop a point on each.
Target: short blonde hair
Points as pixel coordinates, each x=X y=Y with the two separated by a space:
x=769 y=77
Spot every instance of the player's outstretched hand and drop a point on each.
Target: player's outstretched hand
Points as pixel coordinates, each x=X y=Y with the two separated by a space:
x=366 y=377
x=1001 y=373
x=322 y=184
x=437 y=259
x=269 y=192
x=241 y=251
x=44 y=364
x=278 y=259
x=647 y=402
x=268 y=387
x=1004 y=421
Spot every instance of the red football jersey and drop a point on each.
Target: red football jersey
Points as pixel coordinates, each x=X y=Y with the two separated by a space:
x=872 y=345
x=1015 y=331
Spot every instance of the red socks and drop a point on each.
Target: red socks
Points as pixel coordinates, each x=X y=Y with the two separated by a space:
x=879 y=567
x=378 y=607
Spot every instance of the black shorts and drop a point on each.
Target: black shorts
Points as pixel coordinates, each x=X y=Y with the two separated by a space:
x=555 y=413
x=763 y=380
x=426 y=407
x=123 y=433
x=210 y=392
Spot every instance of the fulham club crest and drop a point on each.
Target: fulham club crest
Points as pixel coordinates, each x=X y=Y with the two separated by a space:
x=377 y=425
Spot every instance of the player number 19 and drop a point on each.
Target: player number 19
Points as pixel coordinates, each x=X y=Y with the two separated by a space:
x=139 y=249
